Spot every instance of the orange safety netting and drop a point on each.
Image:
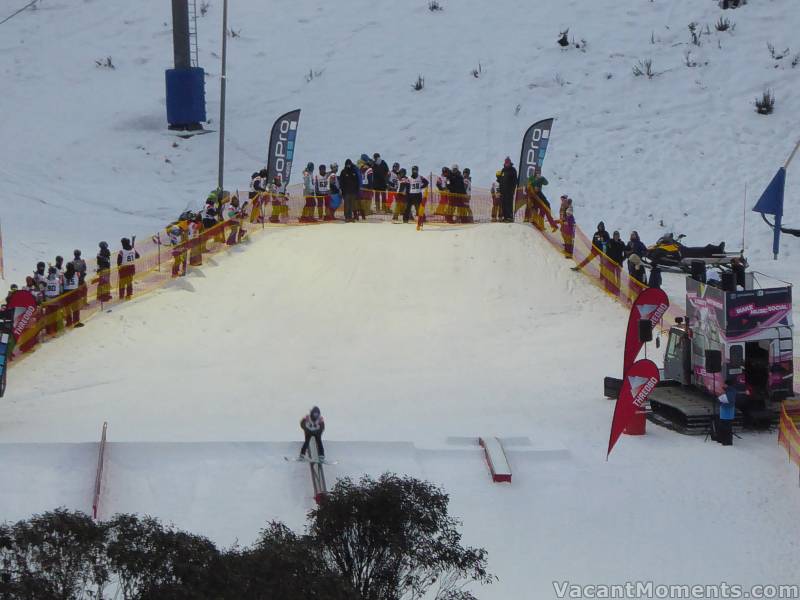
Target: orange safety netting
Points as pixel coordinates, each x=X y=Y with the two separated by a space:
x=788 y=434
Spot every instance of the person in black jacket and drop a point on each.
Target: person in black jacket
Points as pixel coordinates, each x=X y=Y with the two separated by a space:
x=380 y=178
x=103 y=273
x=600 y=241
x=349 y=180
x=508 y=189
x=615 y=251
x=655 y=277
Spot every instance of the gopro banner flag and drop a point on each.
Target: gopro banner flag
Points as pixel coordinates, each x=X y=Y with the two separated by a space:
x=281 y=148
x=651 y=304
x=534 y=147
x=641 y=378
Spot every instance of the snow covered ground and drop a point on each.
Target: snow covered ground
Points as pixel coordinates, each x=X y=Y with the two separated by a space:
x=414 y=344
x=86 y=155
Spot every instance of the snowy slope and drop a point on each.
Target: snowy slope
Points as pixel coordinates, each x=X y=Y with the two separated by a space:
x=85 y=153
x=414 y=344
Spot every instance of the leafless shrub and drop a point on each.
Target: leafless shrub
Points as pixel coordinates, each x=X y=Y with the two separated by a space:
x=419 y=83
x=105 y=63
x=434 y=6
x=765 y=104
x=644 y=67
x=477 y=72
x=774 y=54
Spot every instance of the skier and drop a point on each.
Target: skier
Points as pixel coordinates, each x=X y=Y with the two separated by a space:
x=380 y=178
x=443 y=208
x=538 y=205
x=349 y=183
x=40 y=275
x=313 y=426
x=79 y=265
x=278 y=199
x=366 y=192
x=600 y=240
x=416 y=184
x=615 y=251
x=307 y=216
x=401 y=196
x=458 y=194
x=508 y=189
x=103 y=273
x=72 y=296
x=468 y=217
x=322 y=189
x=126 y=268
x=496 y=198
x=52 y=305
x=335 y=192
x=194 y=230
x=177 y=239
x=567 y=218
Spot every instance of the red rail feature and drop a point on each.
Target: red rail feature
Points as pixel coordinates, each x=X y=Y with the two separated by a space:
x=98 y=479
x=496 y=459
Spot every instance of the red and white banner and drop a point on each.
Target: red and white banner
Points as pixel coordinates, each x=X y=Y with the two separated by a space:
x=24 y=305
x=651 y=304
x=637 y=383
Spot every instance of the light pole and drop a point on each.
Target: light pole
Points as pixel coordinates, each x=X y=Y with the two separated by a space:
x=222 y=96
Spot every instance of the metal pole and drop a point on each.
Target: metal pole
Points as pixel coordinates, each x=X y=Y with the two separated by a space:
x=222 y=96
x=791 y=156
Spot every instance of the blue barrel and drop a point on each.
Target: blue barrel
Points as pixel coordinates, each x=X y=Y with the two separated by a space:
x=186 y=97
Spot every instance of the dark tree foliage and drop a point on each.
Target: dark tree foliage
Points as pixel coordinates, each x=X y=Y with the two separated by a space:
x=153 y=561
x=282 y=565
x=58 y=555
x=392 y=539
x=385 y=539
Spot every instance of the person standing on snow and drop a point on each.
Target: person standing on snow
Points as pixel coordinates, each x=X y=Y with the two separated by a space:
x=40 y=274
x=416 y=185
x=615 y=251
x=567 y=217
x=73 y=296
x=496 y=198
x=634 y=246
x=508 y=189
x=367 y=192
x=637 y=272
x=307 y=216
x=313 y=426
x=126 y=268
x=400 y=196
x=380 y=179
x=349 y=184
x=103 y=273
x=52 y=306
x=335 y=191
x=322 y=189
x=600 y=240
x=458 y=194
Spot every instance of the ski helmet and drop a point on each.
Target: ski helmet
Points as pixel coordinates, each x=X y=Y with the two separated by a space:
x=310 y=166
x=76 y=253
x=322 y=168
x=415 y=169
x=334 y=167
x=103 y=245
x=52 y=271
x=263 y=173
x=314 y=413
x=125 y=242
x=396 y=166
x=40 y=266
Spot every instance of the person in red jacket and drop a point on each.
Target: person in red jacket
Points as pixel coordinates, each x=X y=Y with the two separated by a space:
x=313 y=425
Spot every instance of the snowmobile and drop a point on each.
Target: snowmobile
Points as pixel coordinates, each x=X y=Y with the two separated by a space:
x=671 y=255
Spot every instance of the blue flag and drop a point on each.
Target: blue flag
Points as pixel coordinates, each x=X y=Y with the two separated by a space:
x=771 y=203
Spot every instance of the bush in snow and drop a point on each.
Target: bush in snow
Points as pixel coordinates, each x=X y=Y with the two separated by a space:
x=204 y=6
x=477 y=72
x=731 y=3
x=765 y=104
x=563 y=40
x=796 y=60
x=419 y=83
x=694 y=33
x=434 y=5
x=644 y=67
x=724 y=24
x=105 y=63
x=776 y=55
